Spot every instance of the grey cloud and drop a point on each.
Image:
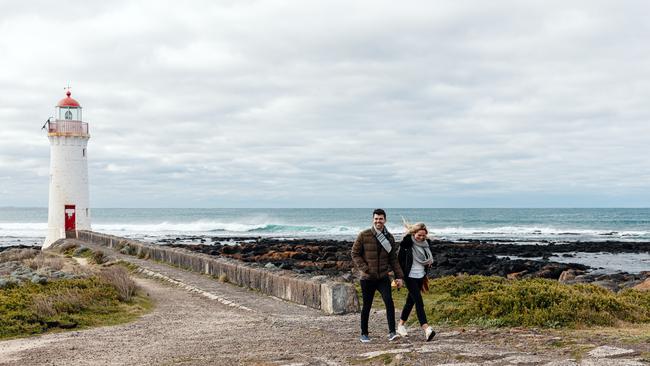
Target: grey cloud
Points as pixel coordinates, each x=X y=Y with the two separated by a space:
x=337 y=103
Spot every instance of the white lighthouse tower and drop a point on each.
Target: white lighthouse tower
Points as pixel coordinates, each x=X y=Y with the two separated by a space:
x=69 y=208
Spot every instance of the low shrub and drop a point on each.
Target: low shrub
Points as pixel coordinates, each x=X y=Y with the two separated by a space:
x=32 y=308
x=66 y=248
x=498 y=302
x=130 y=267
x=45 y=261
x=18 y=255
x=128 y=250
x=63 y=304
x=118 y=277
x=99 y=257
x=82 y=252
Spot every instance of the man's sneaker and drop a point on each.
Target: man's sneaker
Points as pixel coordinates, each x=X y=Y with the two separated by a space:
x=401 y=330
x=392 y=336
x=364 y=338
x=429 y=333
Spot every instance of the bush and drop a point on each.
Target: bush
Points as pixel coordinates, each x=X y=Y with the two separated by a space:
x=129 y=250
x=118 y=277
x=45 y=261
x=18 y=255
x=498 y=302
x=67 y=248
x=82 y=252
x=66 y=300
x=63 y=304
x=99 y=257
x=33 y=308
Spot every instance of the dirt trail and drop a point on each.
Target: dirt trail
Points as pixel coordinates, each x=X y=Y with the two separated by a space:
x=200 y=321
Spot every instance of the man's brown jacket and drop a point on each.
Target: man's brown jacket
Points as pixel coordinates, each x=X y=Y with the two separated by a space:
x=372 y=260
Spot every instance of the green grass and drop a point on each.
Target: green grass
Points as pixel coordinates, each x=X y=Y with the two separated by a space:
x=30 y=309
x=128 y=265
x=498 y=302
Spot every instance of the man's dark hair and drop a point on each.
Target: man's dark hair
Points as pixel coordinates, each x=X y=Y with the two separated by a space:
x=380 y=212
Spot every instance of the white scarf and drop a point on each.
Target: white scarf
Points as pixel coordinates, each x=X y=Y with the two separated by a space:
x=382 y=239
x=421 y=252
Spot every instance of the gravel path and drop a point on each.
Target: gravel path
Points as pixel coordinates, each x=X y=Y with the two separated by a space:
x=200 y=321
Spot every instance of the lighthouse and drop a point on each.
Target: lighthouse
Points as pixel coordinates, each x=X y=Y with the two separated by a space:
x=69 y=208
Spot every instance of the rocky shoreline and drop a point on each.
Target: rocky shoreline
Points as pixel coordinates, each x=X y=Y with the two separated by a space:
x=474 y=257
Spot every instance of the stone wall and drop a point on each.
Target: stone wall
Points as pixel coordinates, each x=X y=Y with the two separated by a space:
x=316 y=292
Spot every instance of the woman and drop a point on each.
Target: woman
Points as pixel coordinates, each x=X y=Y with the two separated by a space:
x=415 y=258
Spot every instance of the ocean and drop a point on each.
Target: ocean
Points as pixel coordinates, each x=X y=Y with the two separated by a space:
x=27 y=226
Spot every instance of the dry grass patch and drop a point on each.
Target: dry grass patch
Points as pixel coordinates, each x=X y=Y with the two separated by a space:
x=67 y=300
x=18 y=255
x=118 y=277
x=99 y=257
x=65 y=304
x=45 y=261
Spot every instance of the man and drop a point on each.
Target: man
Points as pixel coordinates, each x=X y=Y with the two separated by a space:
x=374 y=254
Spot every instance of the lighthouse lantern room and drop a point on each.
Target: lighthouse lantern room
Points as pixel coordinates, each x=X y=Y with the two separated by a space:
x=69 y=208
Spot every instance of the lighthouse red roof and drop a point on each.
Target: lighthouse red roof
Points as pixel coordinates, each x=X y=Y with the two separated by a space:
x=68 y=101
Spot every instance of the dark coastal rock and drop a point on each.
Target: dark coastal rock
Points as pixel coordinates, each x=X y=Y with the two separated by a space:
x=509 y=247
x=474 y=257
x=326 y=257
x=613 y=281
x=36 y=247
x=332 y=257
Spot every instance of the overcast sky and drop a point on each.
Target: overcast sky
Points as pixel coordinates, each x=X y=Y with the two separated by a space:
x=333 y=103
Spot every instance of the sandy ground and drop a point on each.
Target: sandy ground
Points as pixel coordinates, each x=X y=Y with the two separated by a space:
x=199 y=321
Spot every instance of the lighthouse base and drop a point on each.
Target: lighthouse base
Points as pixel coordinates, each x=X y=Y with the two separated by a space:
x=56 y=234
x=52 y=236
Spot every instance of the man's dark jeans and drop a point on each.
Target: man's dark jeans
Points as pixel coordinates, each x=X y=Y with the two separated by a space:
x=368 y=288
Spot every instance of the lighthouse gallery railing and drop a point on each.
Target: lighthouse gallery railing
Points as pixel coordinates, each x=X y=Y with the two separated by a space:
x=67 y=128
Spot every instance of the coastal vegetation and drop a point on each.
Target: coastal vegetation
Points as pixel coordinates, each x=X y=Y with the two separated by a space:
x=42 y=292
x=491 y=301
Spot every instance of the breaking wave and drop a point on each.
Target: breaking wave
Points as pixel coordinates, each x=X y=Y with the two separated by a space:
x=208 y=227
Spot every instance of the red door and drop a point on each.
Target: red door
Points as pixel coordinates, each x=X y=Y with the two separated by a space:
x=70 y=218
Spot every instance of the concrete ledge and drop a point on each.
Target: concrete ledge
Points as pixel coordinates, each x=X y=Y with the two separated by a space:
x=328 y=296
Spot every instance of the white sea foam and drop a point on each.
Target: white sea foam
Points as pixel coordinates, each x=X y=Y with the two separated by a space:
x=269 y=228
x=534 y=232
x=196 y=226
x=23 y=229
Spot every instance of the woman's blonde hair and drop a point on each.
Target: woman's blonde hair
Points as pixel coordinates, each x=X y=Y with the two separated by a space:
x=414 y=228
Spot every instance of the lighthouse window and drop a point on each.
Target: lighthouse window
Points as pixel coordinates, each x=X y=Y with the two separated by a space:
x=68 y=115
x=83 y=152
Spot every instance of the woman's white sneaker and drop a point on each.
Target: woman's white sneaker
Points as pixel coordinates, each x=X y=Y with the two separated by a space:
x=401 y=330
x=429 y=334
